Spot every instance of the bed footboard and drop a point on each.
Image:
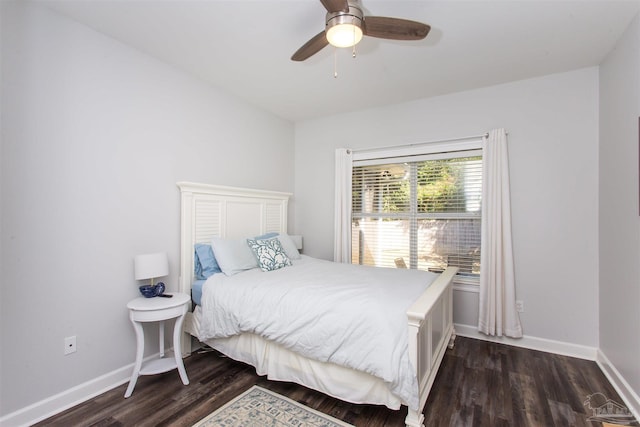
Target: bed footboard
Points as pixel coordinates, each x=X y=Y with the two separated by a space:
x=430 y=321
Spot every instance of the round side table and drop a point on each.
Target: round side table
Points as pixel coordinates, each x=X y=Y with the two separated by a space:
x=158 y=309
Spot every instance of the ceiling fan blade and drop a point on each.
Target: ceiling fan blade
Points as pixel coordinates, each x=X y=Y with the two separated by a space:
x=311 y=47
x=394 y=28
x=335 y=5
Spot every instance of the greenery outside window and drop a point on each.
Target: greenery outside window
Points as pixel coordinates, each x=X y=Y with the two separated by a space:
x=418 y=212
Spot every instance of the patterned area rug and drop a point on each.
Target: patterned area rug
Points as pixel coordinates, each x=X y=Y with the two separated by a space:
x=258 y=407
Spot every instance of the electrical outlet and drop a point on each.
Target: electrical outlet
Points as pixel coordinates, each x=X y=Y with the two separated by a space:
x=520 y=306
x=70 y=345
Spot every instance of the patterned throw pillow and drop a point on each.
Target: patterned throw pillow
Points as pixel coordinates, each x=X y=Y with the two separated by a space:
x=269 y=253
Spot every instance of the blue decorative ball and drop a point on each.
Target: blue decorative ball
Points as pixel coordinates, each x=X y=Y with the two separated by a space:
x=148 y=291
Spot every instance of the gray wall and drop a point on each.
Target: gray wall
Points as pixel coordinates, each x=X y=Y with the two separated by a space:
x=619 y=217
x=95 y=136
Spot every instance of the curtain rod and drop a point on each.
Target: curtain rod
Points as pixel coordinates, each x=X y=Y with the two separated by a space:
x=415 y=144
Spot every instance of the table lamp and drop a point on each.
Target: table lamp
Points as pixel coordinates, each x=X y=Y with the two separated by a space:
x=151 y=266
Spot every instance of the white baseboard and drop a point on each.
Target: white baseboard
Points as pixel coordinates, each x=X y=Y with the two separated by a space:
x=62 y=401
x=630 y=397
x=532 y=343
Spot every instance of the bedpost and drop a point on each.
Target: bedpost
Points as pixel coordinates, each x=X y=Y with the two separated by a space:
x=414 y=419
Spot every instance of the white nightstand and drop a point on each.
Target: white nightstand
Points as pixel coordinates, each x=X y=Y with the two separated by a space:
x=158 y=309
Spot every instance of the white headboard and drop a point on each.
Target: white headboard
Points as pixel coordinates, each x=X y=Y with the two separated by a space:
x=228 y=212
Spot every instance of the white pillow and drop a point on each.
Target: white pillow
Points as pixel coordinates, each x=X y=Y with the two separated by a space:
x=289 y=246
x=233 y=255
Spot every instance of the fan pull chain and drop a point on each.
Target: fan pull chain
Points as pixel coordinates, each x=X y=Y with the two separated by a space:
x=353 y=22
x=335 y=62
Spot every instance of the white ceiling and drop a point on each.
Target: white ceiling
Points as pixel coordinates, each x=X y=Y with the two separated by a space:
x=245 y=46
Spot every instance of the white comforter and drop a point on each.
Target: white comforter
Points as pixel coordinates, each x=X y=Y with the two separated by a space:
x=350 y=315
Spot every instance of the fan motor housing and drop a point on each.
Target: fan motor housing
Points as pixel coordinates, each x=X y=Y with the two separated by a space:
x=353 y=16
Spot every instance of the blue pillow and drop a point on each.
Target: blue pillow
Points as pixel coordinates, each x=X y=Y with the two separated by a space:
x=205 y=264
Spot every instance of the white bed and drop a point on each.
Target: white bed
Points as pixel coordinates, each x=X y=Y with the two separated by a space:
x=227 y=212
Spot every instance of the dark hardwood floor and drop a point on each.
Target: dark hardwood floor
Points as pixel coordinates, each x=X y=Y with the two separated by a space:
x=479 y=384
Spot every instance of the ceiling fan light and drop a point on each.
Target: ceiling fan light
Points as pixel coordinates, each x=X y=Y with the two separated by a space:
x=344 y=35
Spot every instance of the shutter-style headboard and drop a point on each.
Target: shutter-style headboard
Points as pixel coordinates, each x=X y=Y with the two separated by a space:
x=228 y=212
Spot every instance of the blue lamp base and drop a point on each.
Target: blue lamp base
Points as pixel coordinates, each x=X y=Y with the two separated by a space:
x=150 y=291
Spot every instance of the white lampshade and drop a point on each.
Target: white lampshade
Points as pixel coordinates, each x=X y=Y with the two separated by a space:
x=151 y=266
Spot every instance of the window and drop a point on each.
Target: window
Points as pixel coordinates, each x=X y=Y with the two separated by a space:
x=418 y=211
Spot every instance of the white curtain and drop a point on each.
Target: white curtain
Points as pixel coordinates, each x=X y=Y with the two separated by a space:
x=342 y=237
x=498 y=315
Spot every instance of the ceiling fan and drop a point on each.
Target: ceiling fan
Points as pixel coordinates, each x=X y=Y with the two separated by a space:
x=346 y=24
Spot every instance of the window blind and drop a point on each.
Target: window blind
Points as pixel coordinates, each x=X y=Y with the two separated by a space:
x=418 y=212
